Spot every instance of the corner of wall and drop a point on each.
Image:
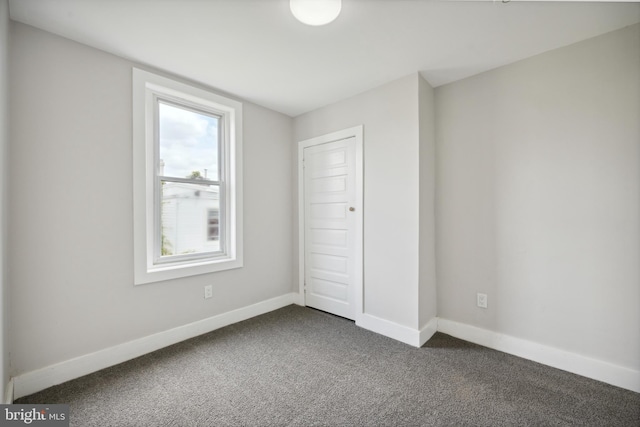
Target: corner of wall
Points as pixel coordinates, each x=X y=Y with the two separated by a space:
x=48 y=376
x=8 y=393
x=575 y=363
x=5 y=385
x=427 y=298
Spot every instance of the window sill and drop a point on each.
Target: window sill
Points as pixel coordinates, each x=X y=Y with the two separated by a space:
x=159 y=273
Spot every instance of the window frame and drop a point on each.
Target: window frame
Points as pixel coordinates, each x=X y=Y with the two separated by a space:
x=148 y=90
x=159 y=259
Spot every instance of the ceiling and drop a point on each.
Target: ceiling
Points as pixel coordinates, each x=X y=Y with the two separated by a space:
x=255 y=49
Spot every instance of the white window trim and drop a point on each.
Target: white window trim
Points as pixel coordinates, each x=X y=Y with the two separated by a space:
x=145 y=87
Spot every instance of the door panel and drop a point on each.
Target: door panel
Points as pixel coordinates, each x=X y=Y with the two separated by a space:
x=329 y=193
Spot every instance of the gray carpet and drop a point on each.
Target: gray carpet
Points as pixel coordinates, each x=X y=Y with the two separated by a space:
x=301 y=367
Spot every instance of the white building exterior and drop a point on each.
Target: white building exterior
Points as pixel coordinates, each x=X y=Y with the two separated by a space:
x=190 y=218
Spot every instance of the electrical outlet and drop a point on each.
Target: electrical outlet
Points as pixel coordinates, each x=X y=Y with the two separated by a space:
x=482 y=300
x=208 y=291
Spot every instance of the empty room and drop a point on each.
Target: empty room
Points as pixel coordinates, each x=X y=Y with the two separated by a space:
x=319 y=212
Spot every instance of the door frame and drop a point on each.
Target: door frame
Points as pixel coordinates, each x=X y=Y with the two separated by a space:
x=356 y=132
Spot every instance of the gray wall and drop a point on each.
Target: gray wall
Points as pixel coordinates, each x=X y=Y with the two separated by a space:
x=538 y=198
x=427 y=298
x=4 y=142
x=71 y=210
x=391 y=118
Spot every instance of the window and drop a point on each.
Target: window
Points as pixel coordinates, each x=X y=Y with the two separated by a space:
x=187 y=152
x=213 y=221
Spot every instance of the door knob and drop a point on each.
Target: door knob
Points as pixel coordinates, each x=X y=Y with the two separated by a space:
x=351 y=209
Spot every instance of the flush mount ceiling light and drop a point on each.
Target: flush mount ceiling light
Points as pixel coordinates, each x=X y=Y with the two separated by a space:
x=315 y=12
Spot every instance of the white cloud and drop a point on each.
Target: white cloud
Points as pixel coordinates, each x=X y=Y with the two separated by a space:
x=188 y=142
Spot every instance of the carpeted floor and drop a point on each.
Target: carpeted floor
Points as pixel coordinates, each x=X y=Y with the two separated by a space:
x=301 y=367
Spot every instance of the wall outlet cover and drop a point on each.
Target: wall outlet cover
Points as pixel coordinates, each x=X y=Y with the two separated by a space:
x=482 y=300
x=208 y=291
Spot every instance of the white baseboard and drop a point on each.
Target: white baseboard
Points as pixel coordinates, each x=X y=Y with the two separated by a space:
x=299 y=299
x=427 y=332
x=34 y=381
x=413 y=337
x=8 y=393
x=389 y=329
x=587 y=367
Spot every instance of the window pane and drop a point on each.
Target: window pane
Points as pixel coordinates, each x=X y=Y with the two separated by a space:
x=188 y=143
x=186 y=216
x=213 y=224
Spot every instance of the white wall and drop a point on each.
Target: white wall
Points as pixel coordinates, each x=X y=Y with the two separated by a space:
x=427 y=293
x=4 y=141
x=391 y=191
x=538 y=199
x=71 y=243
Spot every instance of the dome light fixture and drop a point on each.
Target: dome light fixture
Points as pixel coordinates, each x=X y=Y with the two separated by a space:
x=315 y=12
